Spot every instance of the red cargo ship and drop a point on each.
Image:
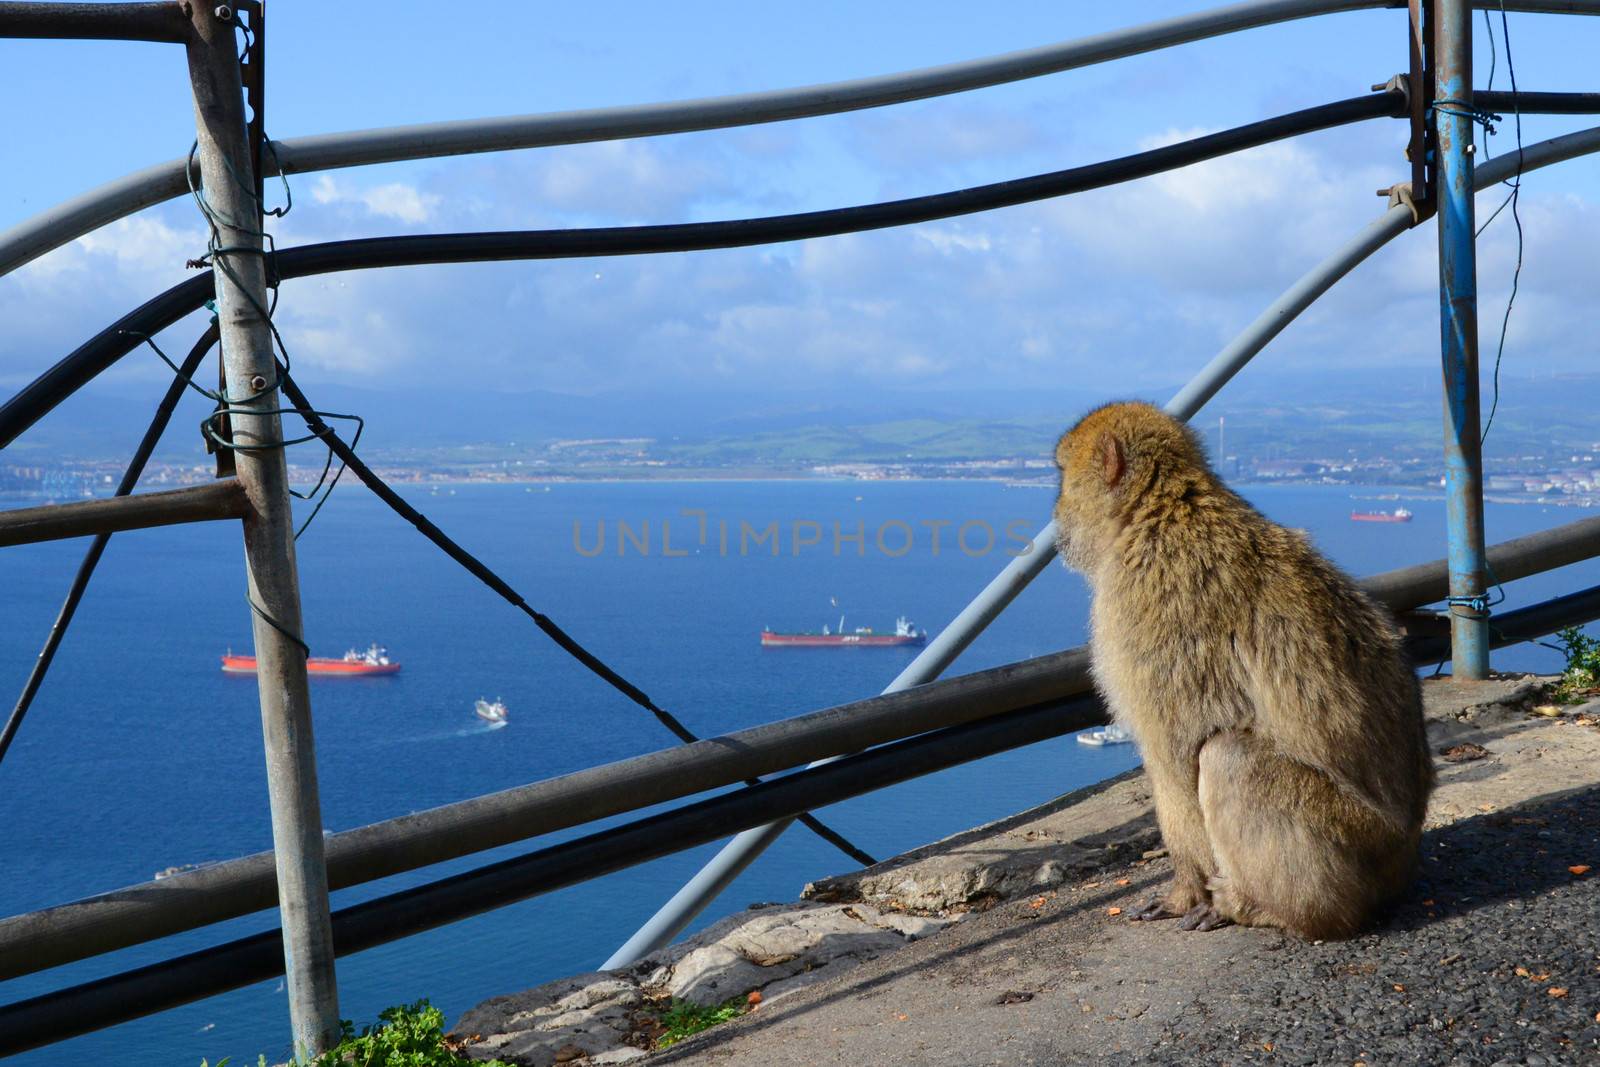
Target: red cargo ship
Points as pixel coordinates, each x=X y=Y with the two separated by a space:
x=374 y=660
x=1397 y=515
x=861 y=637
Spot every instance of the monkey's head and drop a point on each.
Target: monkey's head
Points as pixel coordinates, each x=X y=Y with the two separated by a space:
x=1114 y=457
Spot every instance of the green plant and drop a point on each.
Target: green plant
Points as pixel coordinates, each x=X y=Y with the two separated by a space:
x=410 y=1035
x=682 y=1019
x=407 y=1036
x=1583 y=662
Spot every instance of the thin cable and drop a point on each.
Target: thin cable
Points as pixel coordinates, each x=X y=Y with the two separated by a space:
x=305 y=649
x=91 y=558
x=1516 y=190
x=1488 y=28
x=479 y=570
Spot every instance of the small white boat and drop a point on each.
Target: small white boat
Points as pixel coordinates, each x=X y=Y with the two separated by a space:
x=491 y=710
x=1110 y=735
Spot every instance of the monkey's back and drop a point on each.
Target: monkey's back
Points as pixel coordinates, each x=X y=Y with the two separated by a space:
x=1208 y=606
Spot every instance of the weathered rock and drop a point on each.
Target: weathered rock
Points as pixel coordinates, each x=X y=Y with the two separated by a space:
x=1495 y=702
x=596 y=1017
x=1039 y=849
x=754 y=949
x=589 y=1012
x=622 y=1054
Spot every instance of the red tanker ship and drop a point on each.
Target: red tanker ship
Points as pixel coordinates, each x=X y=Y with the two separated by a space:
x=374 y=660
x=905 y=633
x=1397 y=515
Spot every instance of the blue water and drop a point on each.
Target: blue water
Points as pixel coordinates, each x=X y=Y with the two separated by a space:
x=140 y=754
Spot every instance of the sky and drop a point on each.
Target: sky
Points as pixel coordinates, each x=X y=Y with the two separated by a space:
x=1125 y=291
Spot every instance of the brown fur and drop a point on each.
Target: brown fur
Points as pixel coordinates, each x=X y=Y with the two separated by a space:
x=1280 y=725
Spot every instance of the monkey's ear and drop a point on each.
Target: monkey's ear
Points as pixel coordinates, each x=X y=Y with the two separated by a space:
x=1111 y=461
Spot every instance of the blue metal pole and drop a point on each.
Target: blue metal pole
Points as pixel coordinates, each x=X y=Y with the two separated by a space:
x=1458 y=309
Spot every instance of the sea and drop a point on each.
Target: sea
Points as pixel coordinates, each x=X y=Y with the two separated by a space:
x=140 y=754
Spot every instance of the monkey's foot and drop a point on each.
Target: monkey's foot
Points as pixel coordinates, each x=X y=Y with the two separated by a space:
x=1154 y=909
x=1203 y=917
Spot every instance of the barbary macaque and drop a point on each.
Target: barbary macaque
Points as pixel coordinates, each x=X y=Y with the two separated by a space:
x=1280 y=724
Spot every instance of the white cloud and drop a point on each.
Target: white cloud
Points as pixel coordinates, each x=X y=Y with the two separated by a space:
x=948 y=132
x=949 y=240
x=394 y=200
x=142 y=246
x=1119 y=289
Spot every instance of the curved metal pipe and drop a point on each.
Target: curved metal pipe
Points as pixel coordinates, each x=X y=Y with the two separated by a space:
x=111 y=344
x=299 y=155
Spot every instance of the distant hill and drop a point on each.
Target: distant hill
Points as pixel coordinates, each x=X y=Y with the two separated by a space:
x=1278 y=414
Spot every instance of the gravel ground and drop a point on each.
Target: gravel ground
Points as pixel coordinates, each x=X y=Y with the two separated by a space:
x=1494 y=958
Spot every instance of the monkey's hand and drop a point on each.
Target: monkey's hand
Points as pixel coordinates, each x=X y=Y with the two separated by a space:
x=1157 y=908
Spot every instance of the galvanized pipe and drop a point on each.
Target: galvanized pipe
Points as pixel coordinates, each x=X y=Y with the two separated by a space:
x=1535 y=155
x=53 y=936
x=164 y=21
x=53 y=522
x=72 y=219
x=1409 y=587
x=79 y=1009
x=227 y=198
x=720 y=871
x=185 y=297
x=1458 y=313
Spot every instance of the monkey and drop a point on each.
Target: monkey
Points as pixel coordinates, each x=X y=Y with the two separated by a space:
x=1279 y=721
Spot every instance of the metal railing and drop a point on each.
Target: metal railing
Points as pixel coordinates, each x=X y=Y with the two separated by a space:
x=905 y=735
x=304 y=155
x=917 y=726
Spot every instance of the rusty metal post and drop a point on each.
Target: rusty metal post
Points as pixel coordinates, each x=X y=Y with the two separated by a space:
x=273 y=586
x=1458 y=306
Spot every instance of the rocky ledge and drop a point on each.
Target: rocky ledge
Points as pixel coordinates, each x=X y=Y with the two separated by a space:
x=1036 y=964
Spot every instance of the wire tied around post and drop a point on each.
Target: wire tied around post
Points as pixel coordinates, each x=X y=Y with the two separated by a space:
x=305 y=649
x=209 y=427
x=1481 y=605
x=1461 y=108
x=216 y=257
x=1477 y=606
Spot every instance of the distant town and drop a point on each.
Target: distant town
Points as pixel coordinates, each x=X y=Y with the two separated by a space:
x=1557 y=475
